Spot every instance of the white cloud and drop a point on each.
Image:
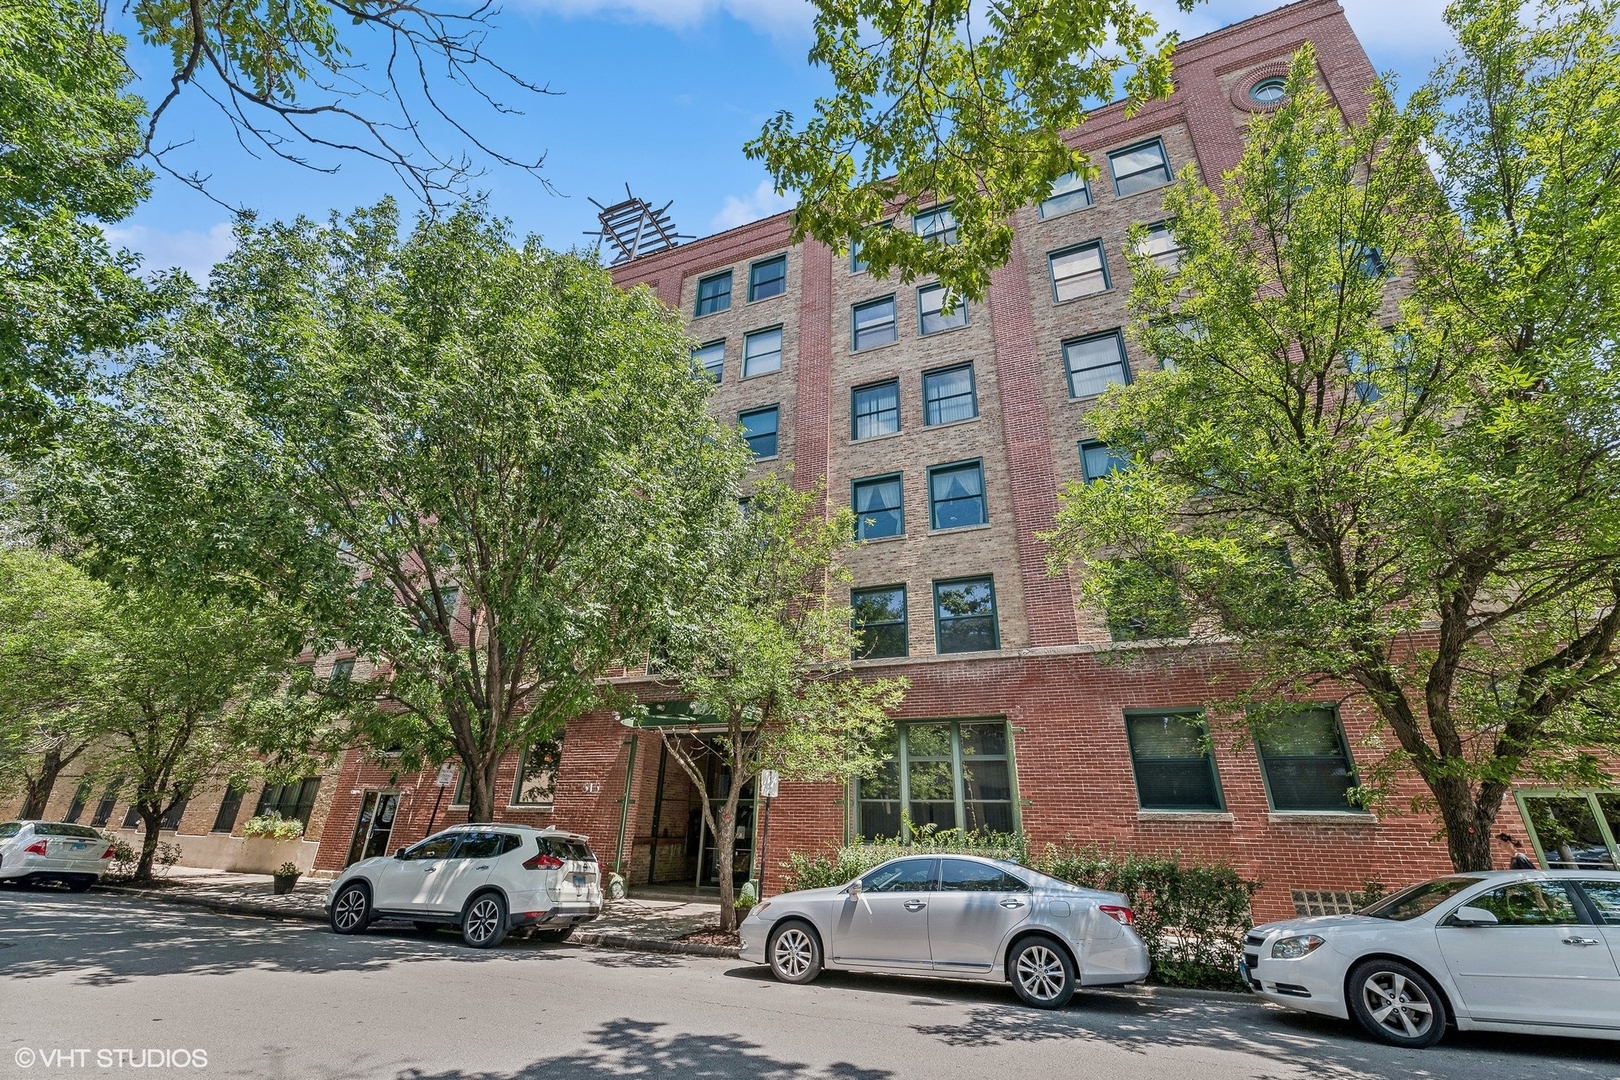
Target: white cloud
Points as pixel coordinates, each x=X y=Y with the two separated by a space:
x=762 y=203
x=191 y=251
x=779 y=18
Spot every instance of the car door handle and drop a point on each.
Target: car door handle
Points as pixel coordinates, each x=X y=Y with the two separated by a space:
x=914 y=905
x=430 y=869
x=1009 y=903
x=484 y=867
x=1581 y=942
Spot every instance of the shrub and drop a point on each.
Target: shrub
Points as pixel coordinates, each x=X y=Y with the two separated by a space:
x=287 y=869
x=748 y=897
x=1191 y=915
x=124 y=857
x=167 y=856
x=273 y=826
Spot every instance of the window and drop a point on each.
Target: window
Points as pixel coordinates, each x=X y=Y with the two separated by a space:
x=767 y=278
x=762 y=352
x=959 y=875
x=1268 y=91
x=930 y=310
x=1098 y=459
x=950 y=774
x=1605 y=900
x=1159 y=245
x=1078 y=271
x=1306 y=763
x=294 y=800
x=714 y=294
x=1139 y=168
x=172 y=816
x=81 y=795
x=880 y=619
x=905 y=876
x=109 y=799
x=1143 y=602
x=1069 y=192
x=878 y=508
x=230 y=808
x=857 y=265
x=956 y=496
x=965 y=616
x=427 y=614
x=949 y=395
x=872 y=324
x=1174 y=769
x=1572 y=830
x=133 y=818
x=481 y=845
x=434 y=847
x=536 y=783
x=342 y=670
x=938 y=224
x=710 y=359
x=875 y=410
x=759 y=431
x=1531 y=903
x=1095 y=363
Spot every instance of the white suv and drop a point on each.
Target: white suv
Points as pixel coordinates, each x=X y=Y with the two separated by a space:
x=486 y=879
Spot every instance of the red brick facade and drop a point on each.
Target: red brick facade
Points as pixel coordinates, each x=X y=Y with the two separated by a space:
x=1056 y=678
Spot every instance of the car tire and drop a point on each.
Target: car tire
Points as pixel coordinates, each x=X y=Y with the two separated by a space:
x=1041 y=972
x=794 y=952
x=1395 y=1003
x=562 y=934
x=80 y=884
x=483 y=924
x=351 y=910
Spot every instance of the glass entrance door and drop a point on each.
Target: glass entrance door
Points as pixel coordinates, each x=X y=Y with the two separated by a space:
x=375 y=825
x=742 y=859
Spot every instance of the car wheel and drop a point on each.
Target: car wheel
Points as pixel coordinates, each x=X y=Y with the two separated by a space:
x=1041 y=973
x=562 y=934
x=1396 y=1003
x=484 y=924
x=80 y=884
x=794 y=953
x=351 y=910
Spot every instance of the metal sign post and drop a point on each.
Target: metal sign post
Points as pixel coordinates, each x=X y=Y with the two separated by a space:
x=446 y=777
x=769 y=781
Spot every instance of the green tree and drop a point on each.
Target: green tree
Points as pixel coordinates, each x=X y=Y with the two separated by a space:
x=482 y=466
x=949 y=102
x=53 y=647
x=763 y=653
x=1382 y=459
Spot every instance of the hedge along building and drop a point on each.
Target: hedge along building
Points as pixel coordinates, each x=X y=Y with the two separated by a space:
x=950 y=436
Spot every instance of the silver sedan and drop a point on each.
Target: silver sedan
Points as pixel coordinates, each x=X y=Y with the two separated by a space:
x=955 y=917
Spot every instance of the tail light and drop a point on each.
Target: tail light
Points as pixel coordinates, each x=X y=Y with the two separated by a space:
x=543 y=861
x=1121 y=915
x=109 y=853
x=36 y=848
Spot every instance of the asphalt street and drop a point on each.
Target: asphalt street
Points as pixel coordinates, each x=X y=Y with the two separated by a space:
x=284 y=1001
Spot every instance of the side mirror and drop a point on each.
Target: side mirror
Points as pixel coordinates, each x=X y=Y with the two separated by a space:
x=1473 y=916
x=854 y=890
x=400 y=854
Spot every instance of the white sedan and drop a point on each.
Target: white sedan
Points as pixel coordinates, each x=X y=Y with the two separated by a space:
x=1529 y=951
x=484 y=879
x=32 y=851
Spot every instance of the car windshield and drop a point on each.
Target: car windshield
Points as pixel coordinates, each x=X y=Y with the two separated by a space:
x=1410 y=903
x=9 y=829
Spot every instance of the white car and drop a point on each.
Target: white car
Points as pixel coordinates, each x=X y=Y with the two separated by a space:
x=953 y=917
x=486 y=879
x=75 y=855
x=1534 y=951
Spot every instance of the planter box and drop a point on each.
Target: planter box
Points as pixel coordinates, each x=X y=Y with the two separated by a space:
x=259 y=855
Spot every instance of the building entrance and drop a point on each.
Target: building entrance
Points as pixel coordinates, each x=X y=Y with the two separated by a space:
x=682 y=848
x=374 y=827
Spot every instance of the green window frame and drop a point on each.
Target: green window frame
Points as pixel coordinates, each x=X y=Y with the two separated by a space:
x=857 y=265
x=950 y=394
x=1140 y=167
x=762 y=351
x=879 y=616
x=947 y=773
x=761 y=428
x=1094 y=363
x=1307 y=771
x=936 y=224
x=1159 y=245
x=879 y=505
x=956 y=496
x=1572 y=828
x=713 y=294
x=535 y=786
x=873 y=323
x=964 y=610
x=1078 y=270
x=874 y=410
x=295 y=800
x=1171 y=761
x=710 y=359
x=930 y=304
x=1070 y=192
x=1098 y=459
x=767 y=278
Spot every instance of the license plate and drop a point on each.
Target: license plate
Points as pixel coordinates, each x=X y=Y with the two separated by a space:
x=579 y=881
x=80 y=846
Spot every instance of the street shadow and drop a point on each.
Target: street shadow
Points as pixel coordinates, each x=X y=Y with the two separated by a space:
x=104 y=940
x=608 y=957
x=627 y=1047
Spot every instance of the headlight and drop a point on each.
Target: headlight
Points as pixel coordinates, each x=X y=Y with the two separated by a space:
x=1292 y=948
x=758 y=908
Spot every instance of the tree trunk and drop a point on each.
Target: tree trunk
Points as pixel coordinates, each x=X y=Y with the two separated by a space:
x=481 y=788
x=727 y=843
x=151 y=818
x=1468 y=825
x=39 y=788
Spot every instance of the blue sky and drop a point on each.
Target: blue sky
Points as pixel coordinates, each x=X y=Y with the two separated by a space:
x=657 y=93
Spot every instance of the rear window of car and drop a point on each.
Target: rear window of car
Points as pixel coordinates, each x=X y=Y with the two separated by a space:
x=9 y=829
x=566 y=849
x=1410 y=903
x=80 y=831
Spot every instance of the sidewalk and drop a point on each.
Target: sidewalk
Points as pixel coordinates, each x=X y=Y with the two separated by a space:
x=644 y=925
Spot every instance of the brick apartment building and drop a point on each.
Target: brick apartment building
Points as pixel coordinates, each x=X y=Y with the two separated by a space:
x=951 y=437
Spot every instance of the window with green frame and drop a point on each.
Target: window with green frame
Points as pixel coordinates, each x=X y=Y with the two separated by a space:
x=1306 y=761
x=949 y=774
x=1573 y=830
x=879 y=617
x=1173 y=765
x=767 y=278
x=714 y=294
x=965 y=616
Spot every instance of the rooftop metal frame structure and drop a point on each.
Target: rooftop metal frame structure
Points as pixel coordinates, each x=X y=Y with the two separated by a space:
x=634 y=228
